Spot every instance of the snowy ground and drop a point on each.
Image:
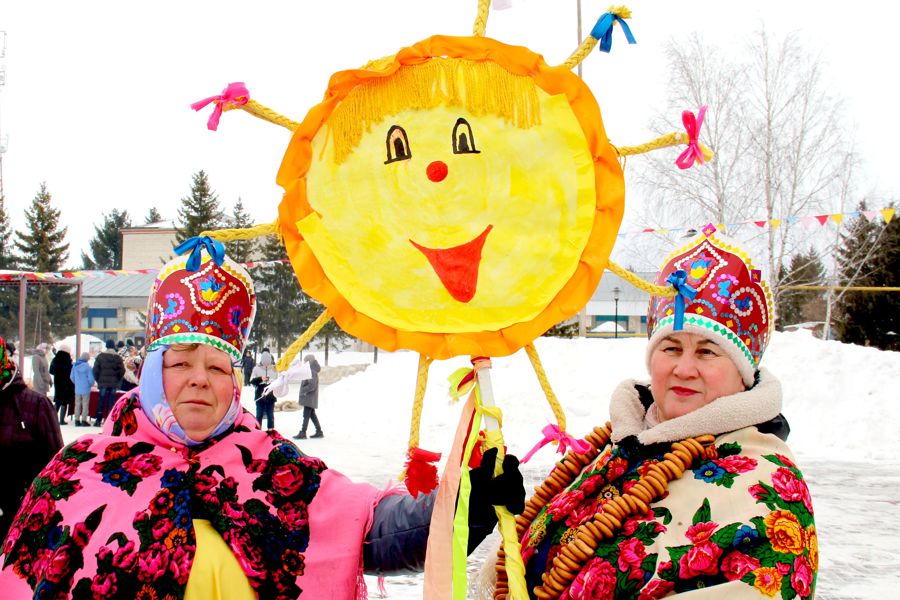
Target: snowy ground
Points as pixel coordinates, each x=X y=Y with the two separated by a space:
x=841 y=401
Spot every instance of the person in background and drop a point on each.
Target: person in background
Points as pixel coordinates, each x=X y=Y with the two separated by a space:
x=130 y=379
x=108 y=371
x=29 y=437
x=267 y=356
x=40 y=370
x=247 y=364
x=692 y=492
x=260 y=377
x=82 y=377
x=64 y=394
x=183 y=496
x=309 y=399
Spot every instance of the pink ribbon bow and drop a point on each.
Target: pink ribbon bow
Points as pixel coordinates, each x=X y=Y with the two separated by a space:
x=692 y=125
x=552 y=433
x=236 y=94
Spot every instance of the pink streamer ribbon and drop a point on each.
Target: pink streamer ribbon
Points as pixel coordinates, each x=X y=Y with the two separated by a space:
x=236 y=94
x=552 y=433
x=692 y=125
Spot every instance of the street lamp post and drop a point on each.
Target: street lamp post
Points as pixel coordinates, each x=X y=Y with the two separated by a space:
x=616 y=291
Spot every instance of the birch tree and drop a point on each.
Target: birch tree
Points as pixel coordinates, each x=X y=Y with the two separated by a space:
x=777 y=135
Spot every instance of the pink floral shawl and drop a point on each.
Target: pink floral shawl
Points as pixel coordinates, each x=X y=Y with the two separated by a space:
x=112 y=515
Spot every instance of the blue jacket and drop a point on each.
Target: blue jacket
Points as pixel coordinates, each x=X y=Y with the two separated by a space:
x=83 y=377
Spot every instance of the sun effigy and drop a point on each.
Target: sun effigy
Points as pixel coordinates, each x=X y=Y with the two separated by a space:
x=460 y=197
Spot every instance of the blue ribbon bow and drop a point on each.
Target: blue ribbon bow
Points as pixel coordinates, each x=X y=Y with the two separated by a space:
x=678 y=279
x=602 y=31
x=195 y=246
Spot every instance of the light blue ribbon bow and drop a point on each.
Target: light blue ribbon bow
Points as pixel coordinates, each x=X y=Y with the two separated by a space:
x=602 y=31
x=678 y=279
x=195 y=246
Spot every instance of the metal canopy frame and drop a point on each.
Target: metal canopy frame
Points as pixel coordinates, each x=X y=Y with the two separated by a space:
x=22 y=279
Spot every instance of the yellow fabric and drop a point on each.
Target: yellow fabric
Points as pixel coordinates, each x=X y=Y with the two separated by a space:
x=215 y=573
x=506 y=525
x=554 y=211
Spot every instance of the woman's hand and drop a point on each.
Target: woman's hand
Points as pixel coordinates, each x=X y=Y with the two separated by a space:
x=506 y=489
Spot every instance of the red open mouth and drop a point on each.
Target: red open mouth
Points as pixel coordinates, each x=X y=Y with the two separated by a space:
x=457 y=267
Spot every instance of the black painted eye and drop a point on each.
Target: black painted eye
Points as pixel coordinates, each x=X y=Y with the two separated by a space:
x=397 y=145
x=463 y=140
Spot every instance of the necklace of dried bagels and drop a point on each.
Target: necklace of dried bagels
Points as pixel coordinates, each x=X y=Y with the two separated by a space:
x=604 y=525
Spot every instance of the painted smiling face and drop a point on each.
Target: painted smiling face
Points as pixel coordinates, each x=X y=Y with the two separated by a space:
x=461 y=204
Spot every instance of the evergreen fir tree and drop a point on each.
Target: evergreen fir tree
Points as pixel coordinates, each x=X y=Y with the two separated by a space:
x=153 y=216
x=563 y=329
x=331 y=335
x=106 y=245
x=42 y=248
x=279 y=308
x=200 y=211
x=798 y=306
x=884 y=332
x=240 y=250
x=856 y=319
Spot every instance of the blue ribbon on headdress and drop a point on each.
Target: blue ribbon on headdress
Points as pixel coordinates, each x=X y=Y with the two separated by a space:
x=678 y=279
x=602 y=31
x=196 y=245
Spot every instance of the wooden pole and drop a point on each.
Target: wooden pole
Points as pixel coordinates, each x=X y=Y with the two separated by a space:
x=78 y=320
x=23 y=284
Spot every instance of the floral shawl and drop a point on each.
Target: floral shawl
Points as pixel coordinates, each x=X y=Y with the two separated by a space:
x=738 y=526
x=112 y=515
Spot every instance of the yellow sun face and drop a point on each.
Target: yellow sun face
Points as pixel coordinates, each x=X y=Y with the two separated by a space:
x=459 y=224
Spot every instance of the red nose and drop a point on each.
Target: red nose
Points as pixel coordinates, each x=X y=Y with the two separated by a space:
x=436 y=171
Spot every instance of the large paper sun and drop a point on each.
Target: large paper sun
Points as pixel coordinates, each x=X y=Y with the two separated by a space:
x=460 y=197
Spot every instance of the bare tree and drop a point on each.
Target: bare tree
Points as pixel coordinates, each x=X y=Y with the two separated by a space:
x=721 y=191
x=776 y=133
x=796 y=142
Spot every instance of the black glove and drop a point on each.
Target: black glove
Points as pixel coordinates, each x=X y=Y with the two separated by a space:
x=507 y=489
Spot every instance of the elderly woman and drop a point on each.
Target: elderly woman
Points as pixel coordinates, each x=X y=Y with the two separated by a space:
x=691 y=489
x=182 y=495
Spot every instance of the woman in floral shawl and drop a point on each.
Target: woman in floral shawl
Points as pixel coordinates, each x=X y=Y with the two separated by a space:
x=182 y=495
x=690 y=490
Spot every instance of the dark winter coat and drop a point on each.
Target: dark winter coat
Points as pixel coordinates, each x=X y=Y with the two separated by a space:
x=29 y=437
x=395 y=545
x=61 y=369
x=309 y=388
x=109 y=368
x=40 y=374
x=247 y=364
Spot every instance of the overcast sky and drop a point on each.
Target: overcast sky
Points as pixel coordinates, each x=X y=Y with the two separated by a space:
x=97 y=94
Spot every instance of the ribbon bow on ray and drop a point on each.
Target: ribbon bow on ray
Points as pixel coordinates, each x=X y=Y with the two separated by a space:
x=235 y=94
x=693 y=153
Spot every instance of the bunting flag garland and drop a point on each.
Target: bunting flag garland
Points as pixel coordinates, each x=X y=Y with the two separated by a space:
x=51 y=275
x=886 y=214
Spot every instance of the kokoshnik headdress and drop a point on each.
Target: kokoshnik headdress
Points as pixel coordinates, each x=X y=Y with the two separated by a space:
x=203 y=297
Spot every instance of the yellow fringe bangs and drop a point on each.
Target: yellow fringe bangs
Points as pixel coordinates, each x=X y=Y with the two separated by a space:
x=482 y=88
